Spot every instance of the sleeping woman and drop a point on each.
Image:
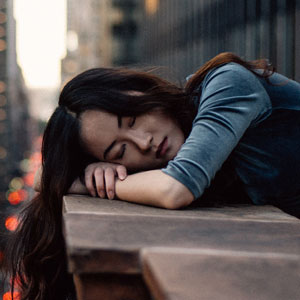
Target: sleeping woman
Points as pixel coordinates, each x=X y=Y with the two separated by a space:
x=130 y=135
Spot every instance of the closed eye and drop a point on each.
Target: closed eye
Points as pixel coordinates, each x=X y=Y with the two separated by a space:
x=122 y=152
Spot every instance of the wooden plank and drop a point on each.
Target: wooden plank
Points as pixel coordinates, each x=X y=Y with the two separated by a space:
x=111 y=241
x=77 y=204
x=110 y=287
x=183 y=274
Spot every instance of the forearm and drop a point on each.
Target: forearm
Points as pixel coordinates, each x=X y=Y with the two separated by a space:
x=154 y=188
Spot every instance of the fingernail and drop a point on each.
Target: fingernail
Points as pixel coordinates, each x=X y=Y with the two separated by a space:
x=122 y=176
x=110 y=195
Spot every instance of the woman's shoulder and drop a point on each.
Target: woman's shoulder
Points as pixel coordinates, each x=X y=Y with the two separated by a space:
x=232 y=78
x=230 y=72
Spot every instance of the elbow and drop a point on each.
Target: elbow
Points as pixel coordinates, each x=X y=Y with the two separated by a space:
x=174 y=204
x=177 y=198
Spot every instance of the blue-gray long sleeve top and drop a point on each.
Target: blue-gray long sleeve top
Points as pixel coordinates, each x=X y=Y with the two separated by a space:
x=255 y=125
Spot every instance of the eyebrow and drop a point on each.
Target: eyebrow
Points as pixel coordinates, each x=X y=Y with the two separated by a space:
x=114 y=142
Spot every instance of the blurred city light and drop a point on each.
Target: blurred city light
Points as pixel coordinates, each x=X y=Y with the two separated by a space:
x=3 y=100
x=3 y=152
x=7 y=296
x=2 y=45
x=151 y=6
x=11 y=223
x=17 y=196
x=29 y=179
x=2 y=17
x=2 y=31
x=2 y=86
x=2 y=114
x=16 y=183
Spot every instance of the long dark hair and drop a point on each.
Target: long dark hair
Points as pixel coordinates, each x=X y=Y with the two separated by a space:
x=35 y=255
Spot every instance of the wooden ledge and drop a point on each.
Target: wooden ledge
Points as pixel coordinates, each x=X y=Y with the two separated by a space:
x=107 y=236
x=78 y=204
x=111 y=244
x=183 y=274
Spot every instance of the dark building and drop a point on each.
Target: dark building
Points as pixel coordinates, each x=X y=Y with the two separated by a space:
x=126 y=32
x=182 y=35
x=101 y=33
x=14 y=118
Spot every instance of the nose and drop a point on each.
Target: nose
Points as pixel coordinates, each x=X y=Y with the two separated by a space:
x=142 y=140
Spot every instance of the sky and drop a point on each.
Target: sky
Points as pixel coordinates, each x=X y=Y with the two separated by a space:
x=41 y=32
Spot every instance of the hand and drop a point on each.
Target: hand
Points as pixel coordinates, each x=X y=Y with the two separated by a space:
x=102 y=176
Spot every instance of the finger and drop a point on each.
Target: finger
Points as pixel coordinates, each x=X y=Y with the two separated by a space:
x=99 y=181
x=109 y=176
x=89 y=181
x=122 y=172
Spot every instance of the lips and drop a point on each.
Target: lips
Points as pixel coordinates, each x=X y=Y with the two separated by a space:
x=162 y=148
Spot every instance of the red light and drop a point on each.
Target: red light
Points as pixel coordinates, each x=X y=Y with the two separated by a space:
x=36 y=157
x=23 y=194
x=29 y=179
x=14 y=198
x=16 y=295
x=11 y=223
x=17 y=282
x=18 y=196
x=38 y=142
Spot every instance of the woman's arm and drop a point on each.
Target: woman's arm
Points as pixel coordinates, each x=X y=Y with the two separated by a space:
x=232 y=100
x=154 y=188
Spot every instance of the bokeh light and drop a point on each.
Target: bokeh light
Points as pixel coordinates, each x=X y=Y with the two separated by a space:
x=18 y=196
x=11 y=223
x=2 y=31
x=29 y=179
x=2 y=86
x=2 y=112
x=2 y=100
x=3 y=152
x=16 y=183
x=7 y=296
x=24 y=165
x=2 y=45
x=2 y=17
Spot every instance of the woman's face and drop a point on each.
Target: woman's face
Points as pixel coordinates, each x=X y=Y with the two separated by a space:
x=139 y=143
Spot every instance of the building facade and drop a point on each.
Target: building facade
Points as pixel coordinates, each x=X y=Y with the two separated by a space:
x=182 y=35
x=88 y=36
x=14 y=117
x=101 y=34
